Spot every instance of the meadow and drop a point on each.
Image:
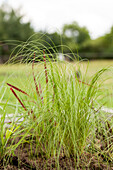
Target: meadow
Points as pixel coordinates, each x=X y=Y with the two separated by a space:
x=63 y=126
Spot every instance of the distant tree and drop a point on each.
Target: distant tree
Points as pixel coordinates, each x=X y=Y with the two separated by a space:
x=52 y=41
x=108 y=41
x=74 y=35
x=75 y=32
x=100 y=48
x=101 y=44
x=12 y=27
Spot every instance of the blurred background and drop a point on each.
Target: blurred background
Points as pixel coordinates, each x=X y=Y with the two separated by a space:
x=85 y=27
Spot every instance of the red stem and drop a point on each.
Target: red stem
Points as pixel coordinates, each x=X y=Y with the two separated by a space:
x=45 y=67
x=17 y=89
x=85 y=83
x=18 y=99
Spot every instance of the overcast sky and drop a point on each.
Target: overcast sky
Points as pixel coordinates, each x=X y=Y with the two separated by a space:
x=50 y=15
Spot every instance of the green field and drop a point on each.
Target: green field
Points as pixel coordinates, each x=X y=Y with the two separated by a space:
x=20 y=75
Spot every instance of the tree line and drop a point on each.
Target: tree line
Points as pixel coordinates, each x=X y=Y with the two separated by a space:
x=73 y=37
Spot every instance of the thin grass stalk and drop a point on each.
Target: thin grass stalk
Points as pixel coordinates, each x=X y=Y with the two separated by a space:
x=46 y=76
x=18 y=99
x=16 y=88
x=85 y=83
x=41 y=91
x=45 y=67
x=55 y=89
x=36 y=86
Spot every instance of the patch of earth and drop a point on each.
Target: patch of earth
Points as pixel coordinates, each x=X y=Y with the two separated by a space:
x=98 y=157
x=23 y=160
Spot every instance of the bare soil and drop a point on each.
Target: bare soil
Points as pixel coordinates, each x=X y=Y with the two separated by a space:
x=23 y=160
x=96 y=157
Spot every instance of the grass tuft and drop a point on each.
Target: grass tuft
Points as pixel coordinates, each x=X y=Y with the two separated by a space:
x=61 y=115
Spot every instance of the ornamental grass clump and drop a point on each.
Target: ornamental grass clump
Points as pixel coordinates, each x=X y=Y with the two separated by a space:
x=58 y=110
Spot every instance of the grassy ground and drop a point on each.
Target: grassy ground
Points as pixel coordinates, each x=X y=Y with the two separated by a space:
x=106 y=79
x=20 y=75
